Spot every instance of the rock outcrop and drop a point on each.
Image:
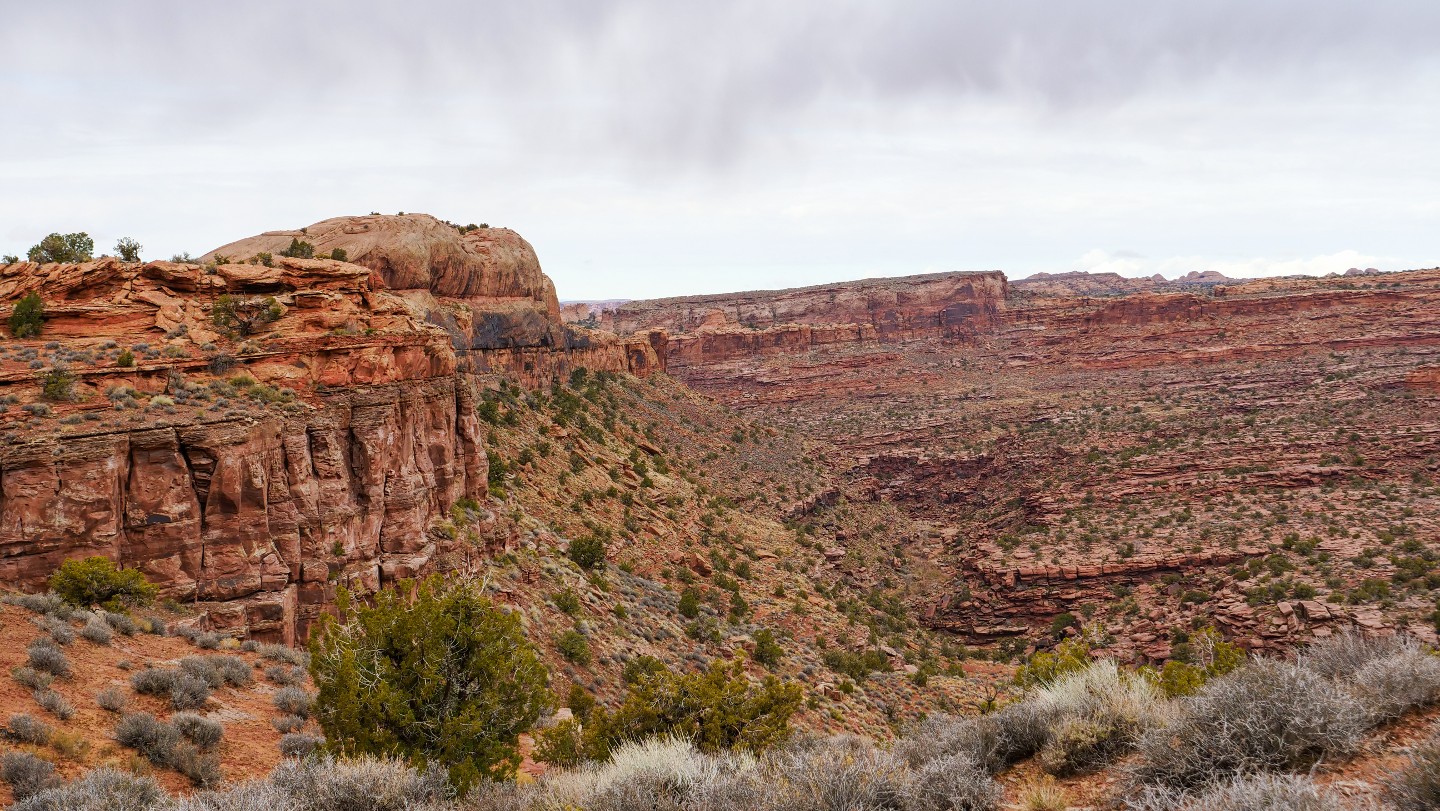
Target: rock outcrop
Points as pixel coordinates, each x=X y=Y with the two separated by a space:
x=253 y=469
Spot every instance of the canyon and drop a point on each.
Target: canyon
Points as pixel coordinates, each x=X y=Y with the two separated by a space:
x=1016 y=461
x=1137 y=456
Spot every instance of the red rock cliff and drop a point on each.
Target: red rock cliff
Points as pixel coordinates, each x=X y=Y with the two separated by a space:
x=253 y=474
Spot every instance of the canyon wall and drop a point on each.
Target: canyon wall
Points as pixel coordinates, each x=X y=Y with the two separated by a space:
x=252 y=471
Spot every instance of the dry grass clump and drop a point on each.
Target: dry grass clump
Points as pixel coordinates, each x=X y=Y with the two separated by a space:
x=26 y=728
x=1095 y=715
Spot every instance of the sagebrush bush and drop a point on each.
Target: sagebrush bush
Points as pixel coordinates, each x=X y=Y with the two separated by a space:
x=298 y=744
x=56 y=626
x=363 y=784
x=46 y=657
x=27 y=774
x=112 y=699
x=1390 y=686
x=839 y=773
x=189 y=692
x=282 y=653
x=97 y=630
x=55 y=704
x=154 y=681
x=121 y=623
x=149 y=736
x=1416 y=786
x=293 y=701
x=1268 y=716
x=205 y=733
x=100 y=789
x=951 y=783
x=218 y=669
x=26 y=728
x=31 y=678
x=47 y=603
x=1256 y=792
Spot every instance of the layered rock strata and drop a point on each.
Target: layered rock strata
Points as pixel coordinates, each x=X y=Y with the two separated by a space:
x=253 y=471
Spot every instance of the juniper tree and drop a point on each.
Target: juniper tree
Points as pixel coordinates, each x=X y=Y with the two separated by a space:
x=433 y=673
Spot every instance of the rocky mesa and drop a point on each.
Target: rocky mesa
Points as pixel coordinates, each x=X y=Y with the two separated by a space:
x=252 y=464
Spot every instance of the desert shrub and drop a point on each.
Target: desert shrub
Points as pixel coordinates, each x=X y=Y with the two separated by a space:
x=202 y=768
x=70 y=248
x=46 y=657
x=588 y=552
x=149 y=736
x=55 y=704
x=27 y=317
x=154 y=682
x=243 y=316
x=100 y=789
x=662 y=773
x=47 y=603
x=298 y=744
x=26 y=728
x=573 y=646
x=97 y=631
x=299 y=249
x=837 y=774
x=718 y=709
x=27 y=774
x=951 y=783
x=1267 y=716
x=31 y=678
x=1096 y=715
x=207 y=640
x=201 y=731
x=282 y=653
x=112 y=699
x=361 y=784
x=443 y=677
x=855 y=664
x=293 y=701
x=1345 y=653
x=125 y=359
x=96 y=581
x=189 y=692
x=121 y=623
x=203 y=668
x=1416 y=786
x=1206 y=655
x=767 y=651
x=1390 y=686
x=128 y=249
x=580 y=701
x=58 y=629
x=339 y=254
x=1070 y=656
x=284 y=675
x=690 y=603
x=1256 y=792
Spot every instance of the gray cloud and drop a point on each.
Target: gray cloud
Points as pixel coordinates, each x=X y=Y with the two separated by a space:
x=644 y=144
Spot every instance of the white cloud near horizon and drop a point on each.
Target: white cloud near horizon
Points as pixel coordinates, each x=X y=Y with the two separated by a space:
x=651 y=148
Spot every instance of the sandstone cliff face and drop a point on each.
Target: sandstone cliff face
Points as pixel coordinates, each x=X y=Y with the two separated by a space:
x=707 y=328
x=253 y=474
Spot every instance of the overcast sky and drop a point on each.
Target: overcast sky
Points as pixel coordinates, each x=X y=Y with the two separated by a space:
x=668 y=147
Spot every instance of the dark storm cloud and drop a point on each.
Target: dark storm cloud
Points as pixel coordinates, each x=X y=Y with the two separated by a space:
x=673 y=82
